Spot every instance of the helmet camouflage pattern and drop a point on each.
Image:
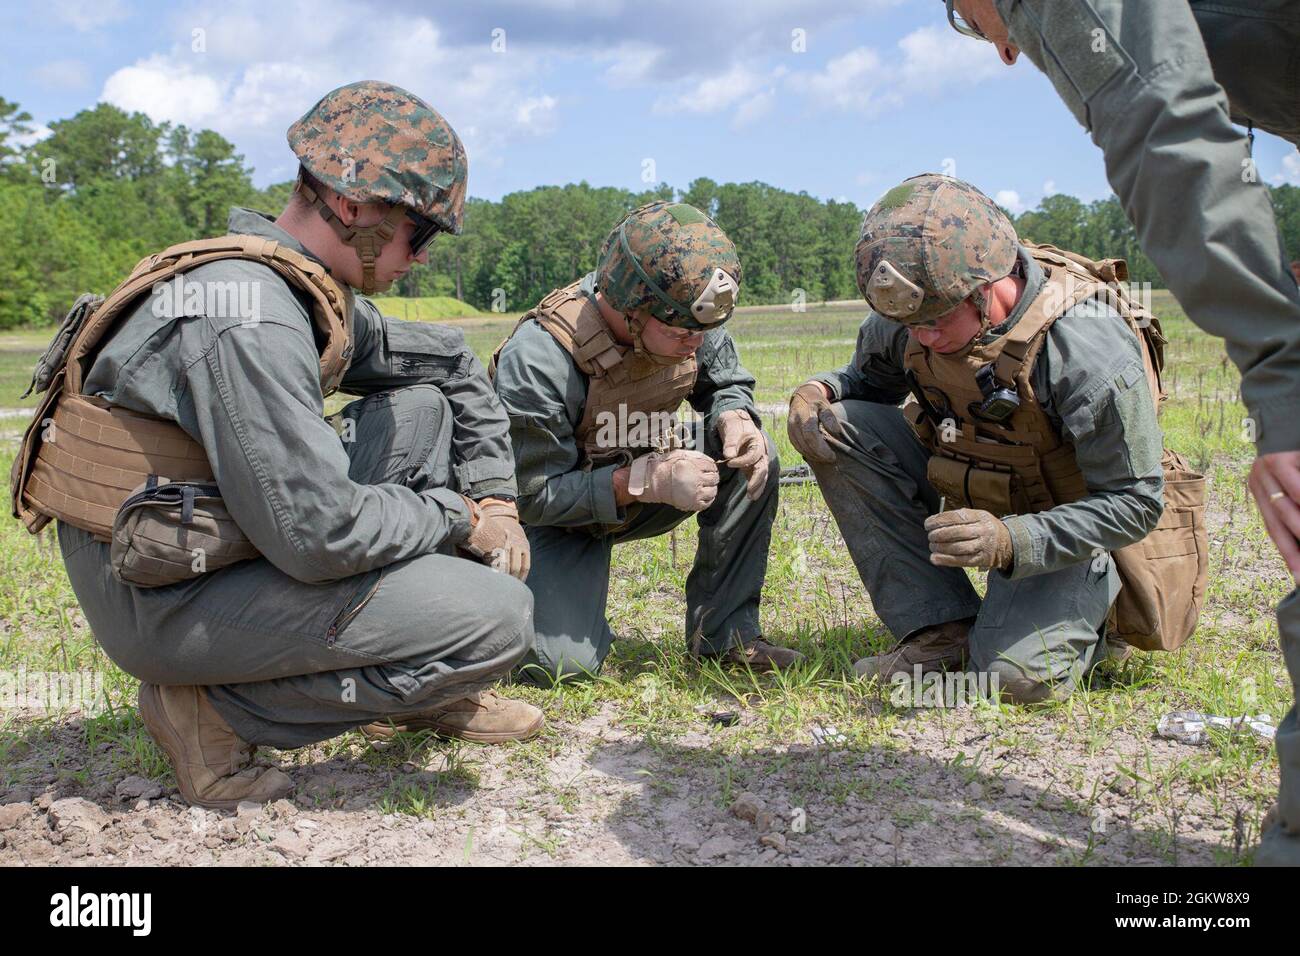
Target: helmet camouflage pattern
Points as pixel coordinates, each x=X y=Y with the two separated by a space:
x=673 y=261
x=375 y=142
x=929 y=243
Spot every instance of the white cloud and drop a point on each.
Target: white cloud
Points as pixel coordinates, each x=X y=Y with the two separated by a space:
x=164 y=88
x=84 y=15
x=1290 y=174
x=633 y=63
x=1010 y=200
x=936 y=58
x=38 y=132
x=713 y=93
x=1049 y=187
x=852 y=82
x=249 y=83
x=931 y=60
x=536 y=114
x=754 y=108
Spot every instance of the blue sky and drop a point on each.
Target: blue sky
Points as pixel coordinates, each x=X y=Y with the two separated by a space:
x=839 y=99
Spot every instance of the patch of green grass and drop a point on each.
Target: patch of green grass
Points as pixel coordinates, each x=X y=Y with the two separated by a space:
x=815 y=602
x=429 y=308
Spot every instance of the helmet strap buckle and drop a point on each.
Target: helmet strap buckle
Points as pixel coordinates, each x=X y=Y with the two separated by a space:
x=368 y=241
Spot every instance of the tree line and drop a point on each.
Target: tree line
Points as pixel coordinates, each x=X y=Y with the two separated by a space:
x=80 y=207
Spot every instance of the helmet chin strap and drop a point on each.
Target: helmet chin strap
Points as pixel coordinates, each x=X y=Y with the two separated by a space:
x=635 y=328
x=368 y=241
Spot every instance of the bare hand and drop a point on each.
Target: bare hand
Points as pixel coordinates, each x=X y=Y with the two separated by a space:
x=1275 y=483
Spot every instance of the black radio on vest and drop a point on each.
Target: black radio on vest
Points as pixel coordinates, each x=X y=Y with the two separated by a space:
x=999 y=402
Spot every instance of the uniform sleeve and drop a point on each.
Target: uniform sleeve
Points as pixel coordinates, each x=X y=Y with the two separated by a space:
x=876 y=372
x=1138 y=77
x=1091 y=370
x=393 y=353
x=543 y=394
x=254 y=401
x=723 y=384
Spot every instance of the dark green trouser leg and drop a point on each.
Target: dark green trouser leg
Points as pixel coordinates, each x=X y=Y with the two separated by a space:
x=434 y=629
x=570 y=577
x=1281 y=844
x=1038 y=634
x=879 y=495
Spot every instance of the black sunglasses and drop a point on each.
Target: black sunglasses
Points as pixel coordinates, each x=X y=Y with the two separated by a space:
x=426 y=230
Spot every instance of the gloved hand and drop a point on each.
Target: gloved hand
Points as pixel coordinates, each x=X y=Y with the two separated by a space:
x=969 y=538
x=810 y=415
x=686 y=480
x=497 y=538
x=745 y=449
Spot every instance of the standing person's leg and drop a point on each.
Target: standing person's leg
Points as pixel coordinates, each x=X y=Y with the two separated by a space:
x=879 y=495
x=1280 y=845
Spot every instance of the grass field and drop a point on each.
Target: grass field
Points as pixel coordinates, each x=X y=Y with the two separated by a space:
x=632 y=769
x=429 y=308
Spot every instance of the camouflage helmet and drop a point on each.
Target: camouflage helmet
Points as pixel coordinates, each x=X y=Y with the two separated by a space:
x=673 y=261
x=929 y=243
x=375 y=142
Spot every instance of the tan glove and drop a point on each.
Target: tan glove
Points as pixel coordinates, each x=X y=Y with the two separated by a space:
x=497 y=538
x=686 y=480
x=810 y=417
x=745 y=449
x=969 y=538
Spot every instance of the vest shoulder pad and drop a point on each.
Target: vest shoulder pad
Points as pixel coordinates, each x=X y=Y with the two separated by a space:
x=574 y=319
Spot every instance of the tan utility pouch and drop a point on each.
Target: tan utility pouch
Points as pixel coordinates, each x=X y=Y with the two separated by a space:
x=172 y=531
x=967 y=485
x=948 y=478
x=1164 y=575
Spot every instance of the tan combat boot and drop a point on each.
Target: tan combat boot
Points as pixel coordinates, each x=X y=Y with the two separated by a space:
x=762 y=656
x=214 y=768
x=484 y=717
x=941 y=647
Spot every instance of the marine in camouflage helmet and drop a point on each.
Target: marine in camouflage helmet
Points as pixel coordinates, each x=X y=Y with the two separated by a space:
x=373 y=142
x=929 y=243
x=674 y=262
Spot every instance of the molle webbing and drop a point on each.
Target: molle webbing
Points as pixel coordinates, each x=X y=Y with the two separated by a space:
x=1021 y=465
x=80 y=457
x=620 y=384
x=106 y=449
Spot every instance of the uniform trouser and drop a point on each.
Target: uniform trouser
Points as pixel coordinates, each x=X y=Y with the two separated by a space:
x=429 y=631
x=1037 y=634
x=1281 y=844
x=570 y=575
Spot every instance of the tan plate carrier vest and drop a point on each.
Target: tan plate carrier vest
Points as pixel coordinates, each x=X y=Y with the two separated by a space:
x=620 y=382
x=1023 y=465
x=81 y=458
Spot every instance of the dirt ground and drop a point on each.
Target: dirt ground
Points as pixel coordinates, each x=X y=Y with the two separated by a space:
x=601 y=794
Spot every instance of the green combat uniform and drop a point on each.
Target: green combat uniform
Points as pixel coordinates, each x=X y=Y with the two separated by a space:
x=356 y=611
x=1156 y=96
x=573 y=521
x=201 y=380
x=1044 y=421
x=1041 y=621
